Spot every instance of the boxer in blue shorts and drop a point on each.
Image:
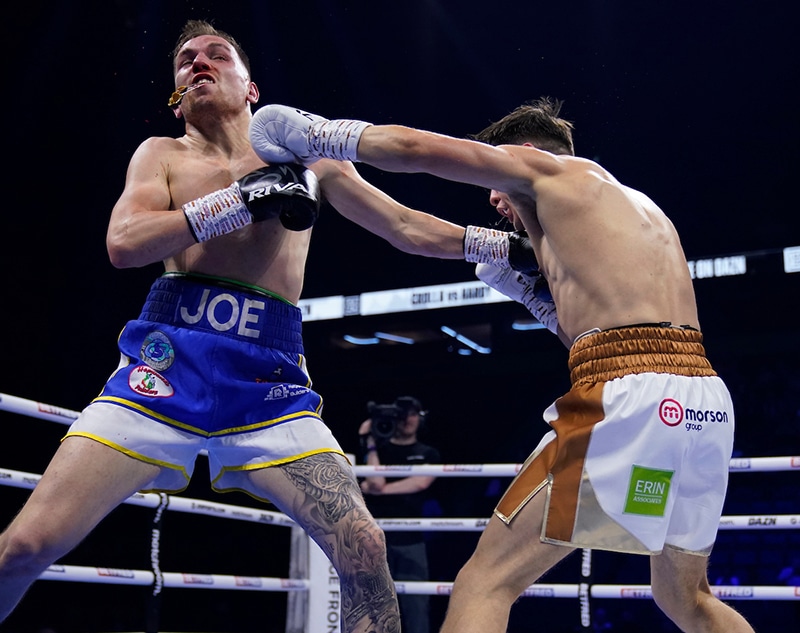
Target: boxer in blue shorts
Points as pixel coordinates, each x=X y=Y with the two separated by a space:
x=215 y=362
x=638 y=457
x=244 y=341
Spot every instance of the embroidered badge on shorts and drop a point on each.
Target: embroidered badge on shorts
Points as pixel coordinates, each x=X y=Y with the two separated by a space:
x=157 y=351
x=648 y=491
x=146 y=381
x=279 y=392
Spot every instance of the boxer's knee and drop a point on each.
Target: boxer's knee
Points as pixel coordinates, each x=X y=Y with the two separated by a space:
x=24 y=551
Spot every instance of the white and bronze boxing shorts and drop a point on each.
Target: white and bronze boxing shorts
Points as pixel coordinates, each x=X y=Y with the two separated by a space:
x=639 y=450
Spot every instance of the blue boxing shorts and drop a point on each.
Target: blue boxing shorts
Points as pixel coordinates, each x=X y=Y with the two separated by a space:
x=640 y=447
x=213 y=365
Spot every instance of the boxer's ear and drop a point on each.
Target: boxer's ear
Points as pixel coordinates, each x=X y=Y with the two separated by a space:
x=253 y=93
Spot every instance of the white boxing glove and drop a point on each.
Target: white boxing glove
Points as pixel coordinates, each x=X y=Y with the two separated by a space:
x=531 y=291
x=282 y=134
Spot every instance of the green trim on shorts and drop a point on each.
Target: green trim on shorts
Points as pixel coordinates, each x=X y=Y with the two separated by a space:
x=225 y=280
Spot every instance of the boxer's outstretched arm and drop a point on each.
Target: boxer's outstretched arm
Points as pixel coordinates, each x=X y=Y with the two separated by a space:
x=414 y=231
x=278 y=132
x=406 y=229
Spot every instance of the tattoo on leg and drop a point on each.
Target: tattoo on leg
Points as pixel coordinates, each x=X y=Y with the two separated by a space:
x=324 y=480
x=370 y=598
x=334 y=515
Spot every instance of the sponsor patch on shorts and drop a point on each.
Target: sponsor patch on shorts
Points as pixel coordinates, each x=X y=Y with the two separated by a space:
x=279 y=392
x=157 y=351
x=648 y=491
x=146 y=381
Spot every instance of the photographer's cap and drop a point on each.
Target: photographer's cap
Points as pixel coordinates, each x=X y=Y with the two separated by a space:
x=408 y=403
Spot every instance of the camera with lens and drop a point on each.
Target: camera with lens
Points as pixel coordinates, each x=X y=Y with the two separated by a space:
x=385 y=418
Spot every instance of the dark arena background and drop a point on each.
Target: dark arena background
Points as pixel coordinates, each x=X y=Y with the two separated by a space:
x=694 y=103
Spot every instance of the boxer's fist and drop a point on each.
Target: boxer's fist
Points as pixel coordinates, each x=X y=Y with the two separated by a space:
x=281 y=133
x=500 y=248
x=288 y=191
x=520 y=253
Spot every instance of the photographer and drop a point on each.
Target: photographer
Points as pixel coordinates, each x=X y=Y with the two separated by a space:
x=389 y=437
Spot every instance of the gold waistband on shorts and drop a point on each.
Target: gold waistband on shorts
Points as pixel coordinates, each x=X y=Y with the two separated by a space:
x=610 y=354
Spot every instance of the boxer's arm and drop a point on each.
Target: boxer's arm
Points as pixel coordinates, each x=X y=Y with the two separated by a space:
x=142 y=230
x=417 y=232
x=288 y=191
x=406 y=485
x=278 y=131
x=406 y=229
x=513 y=169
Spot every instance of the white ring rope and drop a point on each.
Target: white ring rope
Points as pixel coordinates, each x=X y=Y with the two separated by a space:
x=753 y=522
x=34 y=409
x=744 y=464
x=75 y=573
x=112 y=576
x=19 y=479
x=723 y=592
x=107 y=575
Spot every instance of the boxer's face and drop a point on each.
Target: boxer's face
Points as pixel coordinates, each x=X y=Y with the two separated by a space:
x=504 y=207
x=214 y=71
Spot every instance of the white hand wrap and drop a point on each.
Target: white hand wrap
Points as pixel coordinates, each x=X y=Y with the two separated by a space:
x=486 y=246
x=217 y=213
x=520 y=288
x=337 y=139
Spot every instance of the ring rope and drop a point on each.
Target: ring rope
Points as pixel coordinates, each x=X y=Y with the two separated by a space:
x=154 y=604
x=106 y=575
x=737 y=464
x=32 y=408
x=18 y=479
x=114 y=576
x=582 y=591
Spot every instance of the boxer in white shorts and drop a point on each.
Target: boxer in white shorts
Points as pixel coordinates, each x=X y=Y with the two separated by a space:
x=638 y=457
x=629 y=472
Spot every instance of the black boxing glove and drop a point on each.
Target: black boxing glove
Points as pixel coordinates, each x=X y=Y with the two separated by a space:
x=500 y=248
x=520 y=253
x=288 y=191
